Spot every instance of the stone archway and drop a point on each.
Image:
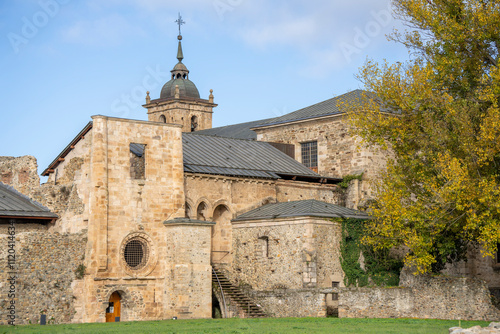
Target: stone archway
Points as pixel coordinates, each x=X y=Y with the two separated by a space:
x=221 y=235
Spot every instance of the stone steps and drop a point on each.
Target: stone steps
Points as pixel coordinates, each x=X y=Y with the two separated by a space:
x=236 y=295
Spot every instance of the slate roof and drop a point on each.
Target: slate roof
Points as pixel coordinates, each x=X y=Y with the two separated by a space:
x=15 y=204
x=237 y=157
x=325 y=108
x=238 y=131
x=312 y=208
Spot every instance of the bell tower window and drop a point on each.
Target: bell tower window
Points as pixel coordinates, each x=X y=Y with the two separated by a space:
x=194 y=123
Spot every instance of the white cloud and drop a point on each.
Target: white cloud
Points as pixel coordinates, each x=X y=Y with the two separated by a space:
x=109 y=30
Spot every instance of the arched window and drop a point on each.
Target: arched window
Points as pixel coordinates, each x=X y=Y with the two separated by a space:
x=194 y=123
x=163 y=119
x=201 y=212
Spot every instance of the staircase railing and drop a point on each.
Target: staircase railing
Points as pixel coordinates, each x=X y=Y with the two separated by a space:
x=221 y=291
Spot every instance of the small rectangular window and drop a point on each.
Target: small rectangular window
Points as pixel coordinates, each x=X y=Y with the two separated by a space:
x=309 y=153
x=335 y=296
x=335 y=284
x=264 y=246
x=137 y=161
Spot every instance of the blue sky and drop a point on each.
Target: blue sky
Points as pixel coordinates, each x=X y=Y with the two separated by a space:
x=63 y=61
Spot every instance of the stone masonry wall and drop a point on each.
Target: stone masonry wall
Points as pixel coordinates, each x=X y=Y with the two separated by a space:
x=287 y=253
x=20 y=173
x=339 y=154
x=240 y=195
x=46 y=265
x=292 y=302
x=428 y=298
x=485 y=268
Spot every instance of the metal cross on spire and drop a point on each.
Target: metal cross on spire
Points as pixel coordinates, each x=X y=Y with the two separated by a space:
x=180 y=22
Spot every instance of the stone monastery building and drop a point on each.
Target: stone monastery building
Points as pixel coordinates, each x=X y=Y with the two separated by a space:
x=170 y=217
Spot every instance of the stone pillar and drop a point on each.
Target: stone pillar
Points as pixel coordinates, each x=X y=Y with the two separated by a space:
x=188 y=277
x=98 y=220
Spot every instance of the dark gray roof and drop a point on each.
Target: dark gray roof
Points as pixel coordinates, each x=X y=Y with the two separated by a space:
x=329 y=107
x=238 y=131
x=311 y=208
x=237 y=157
x=15 y=204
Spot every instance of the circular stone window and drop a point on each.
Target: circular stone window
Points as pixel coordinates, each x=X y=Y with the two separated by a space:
x=137 y=254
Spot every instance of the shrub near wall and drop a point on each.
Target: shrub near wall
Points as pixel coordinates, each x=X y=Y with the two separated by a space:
x=361 y=264
x=46 y=265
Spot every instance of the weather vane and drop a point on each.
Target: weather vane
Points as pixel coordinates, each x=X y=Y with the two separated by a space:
x=180 y=22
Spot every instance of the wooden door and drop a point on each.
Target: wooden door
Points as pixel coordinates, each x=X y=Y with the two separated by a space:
x=114 y=307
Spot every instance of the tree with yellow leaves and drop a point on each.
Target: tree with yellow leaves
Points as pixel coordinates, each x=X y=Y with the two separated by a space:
x=439 y=114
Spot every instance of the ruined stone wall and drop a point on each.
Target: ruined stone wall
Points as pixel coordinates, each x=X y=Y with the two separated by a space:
x=287 y=253
x=428 y=297
x=46 y=265
x=292 y=302
x=485 y=268
x=20 y=173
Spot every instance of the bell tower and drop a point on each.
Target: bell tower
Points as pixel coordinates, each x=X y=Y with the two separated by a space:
x=180 y=100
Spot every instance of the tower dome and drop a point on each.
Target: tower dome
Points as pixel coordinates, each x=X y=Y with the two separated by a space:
x=180 y=78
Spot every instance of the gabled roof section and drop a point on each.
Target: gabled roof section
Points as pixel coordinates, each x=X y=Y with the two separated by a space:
x=67 y=149
x=306 y=208
x=325 y=108
x=13 y=204
x=237 y=131
x=237 y=157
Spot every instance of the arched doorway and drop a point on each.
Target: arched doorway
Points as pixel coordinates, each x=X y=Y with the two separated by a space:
x=221 y=235
x=113 y=311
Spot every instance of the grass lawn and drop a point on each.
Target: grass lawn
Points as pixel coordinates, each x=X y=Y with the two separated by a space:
x=268 y=325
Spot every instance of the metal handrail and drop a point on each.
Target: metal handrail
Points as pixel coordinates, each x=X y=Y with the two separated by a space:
x=222 y=292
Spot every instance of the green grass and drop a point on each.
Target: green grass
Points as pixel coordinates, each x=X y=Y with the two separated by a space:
x=269 y=325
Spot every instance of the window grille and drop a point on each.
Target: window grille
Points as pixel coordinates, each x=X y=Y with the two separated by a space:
x=309 y=152
x=136 y=253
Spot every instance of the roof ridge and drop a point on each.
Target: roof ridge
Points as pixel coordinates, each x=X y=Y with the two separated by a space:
x=229 y=138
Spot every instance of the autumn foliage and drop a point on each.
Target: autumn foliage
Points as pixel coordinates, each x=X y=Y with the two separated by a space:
x=439 y=114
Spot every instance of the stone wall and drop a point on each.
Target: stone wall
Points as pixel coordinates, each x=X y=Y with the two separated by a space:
x=286 y=253
x=179 y=111
x=239 y=195
x=293 y=302
x=339 y=153
x=46 y=266
x=477 y=265
x=20 y=173
x=427 y=298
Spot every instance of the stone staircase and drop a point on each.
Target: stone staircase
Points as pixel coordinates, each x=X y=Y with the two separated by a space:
x=236 y=295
